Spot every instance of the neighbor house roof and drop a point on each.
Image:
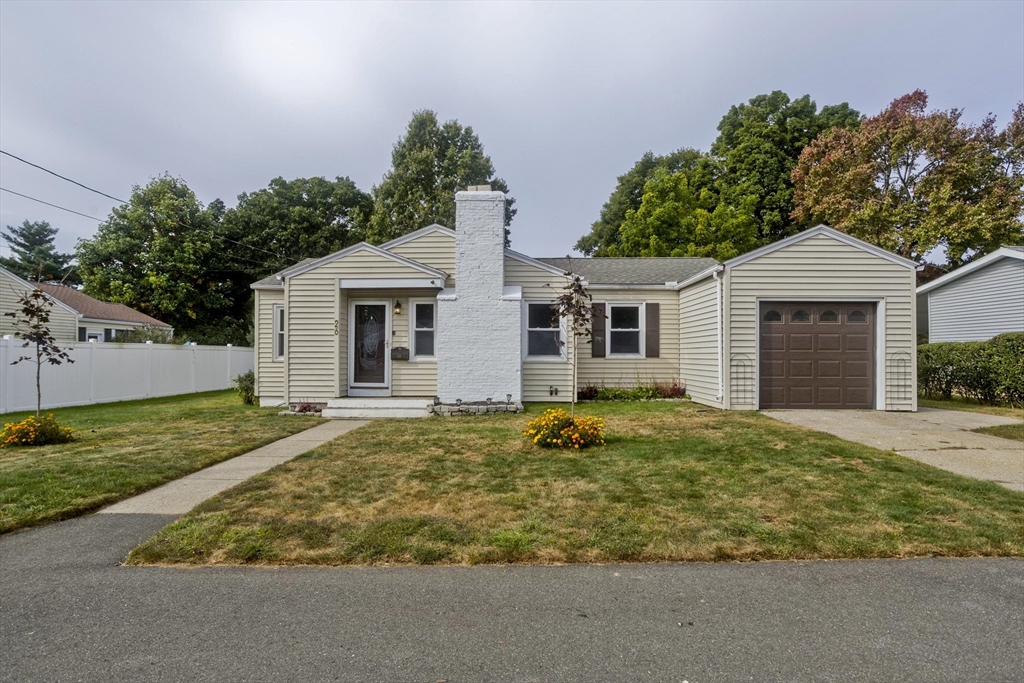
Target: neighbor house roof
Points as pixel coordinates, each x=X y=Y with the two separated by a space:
x=89 y=307
x=633 y=271
x=1015 y=252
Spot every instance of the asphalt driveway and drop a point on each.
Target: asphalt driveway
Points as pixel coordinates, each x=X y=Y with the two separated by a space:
x=69 y=612
x=941 y=438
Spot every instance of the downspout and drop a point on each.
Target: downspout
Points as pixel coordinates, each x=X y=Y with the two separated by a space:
x=721 y=355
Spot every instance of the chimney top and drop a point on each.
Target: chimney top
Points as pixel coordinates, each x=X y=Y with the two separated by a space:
x=478 y=188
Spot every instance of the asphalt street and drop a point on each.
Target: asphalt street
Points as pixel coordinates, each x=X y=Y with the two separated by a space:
x=70 y=612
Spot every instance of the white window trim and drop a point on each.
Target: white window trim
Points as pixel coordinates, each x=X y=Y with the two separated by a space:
x=413 y=356
x=642 y=305
x=561 y=357
x=277 y=321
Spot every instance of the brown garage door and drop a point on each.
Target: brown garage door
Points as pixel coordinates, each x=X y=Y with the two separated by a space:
x=817 y=355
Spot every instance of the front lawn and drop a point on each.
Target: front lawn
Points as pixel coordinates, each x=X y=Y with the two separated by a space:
x=675 y=482
x=123 y=449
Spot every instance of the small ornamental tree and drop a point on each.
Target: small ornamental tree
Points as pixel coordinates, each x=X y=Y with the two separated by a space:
x=575 y=306
x=32 y=323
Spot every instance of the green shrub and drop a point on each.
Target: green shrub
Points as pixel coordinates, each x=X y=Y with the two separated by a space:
x=641 y=392
x=245 y=385
x=988 y=372
x=35 y=431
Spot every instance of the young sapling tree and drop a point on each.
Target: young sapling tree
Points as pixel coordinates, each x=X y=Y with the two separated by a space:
x=575 y=307
x=32 y=324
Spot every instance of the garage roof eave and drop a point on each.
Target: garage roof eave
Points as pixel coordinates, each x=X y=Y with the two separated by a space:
x=830 y=232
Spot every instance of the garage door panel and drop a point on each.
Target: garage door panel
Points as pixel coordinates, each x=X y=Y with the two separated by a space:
x=817 y=355
x=830 y=342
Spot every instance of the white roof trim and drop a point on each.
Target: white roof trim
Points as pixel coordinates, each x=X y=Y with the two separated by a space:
x=256 y=285
x=363 y=246
x=523 y=258
x=434 y=227
x=821 y=230
x=28 y=284
x=698 y=277
x=999 y=253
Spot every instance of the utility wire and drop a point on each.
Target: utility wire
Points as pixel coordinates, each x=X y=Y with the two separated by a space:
x=98 y=220
x=104 y=194
x=75 y=182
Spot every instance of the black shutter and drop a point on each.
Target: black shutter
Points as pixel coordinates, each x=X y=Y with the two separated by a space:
x=597 y=344
x=81 y=334
x=108 y=335
x=653 y=337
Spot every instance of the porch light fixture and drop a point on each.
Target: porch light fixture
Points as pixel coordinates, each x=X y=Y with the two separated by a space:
x=398 y=307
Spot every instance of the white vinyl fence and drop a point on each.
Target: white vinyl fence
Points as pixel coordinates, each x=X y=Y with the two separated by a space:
x=109 y=372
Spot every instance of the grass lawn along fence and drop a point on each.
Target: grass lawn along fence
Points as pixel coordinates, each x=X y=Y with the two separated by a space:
x=674 y=482
x=123 y=449
x=106 y=372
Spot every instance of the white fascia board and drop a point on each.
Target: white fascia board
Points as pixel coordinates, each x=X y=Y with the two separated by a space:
x=1000 y=253
x=447 y=295
x=523 y=258
x=435 y=227
x=124 y=323
x=393 y=283
x=278 y=288
x=822 y=230
x=364 y=246
x=706 y=273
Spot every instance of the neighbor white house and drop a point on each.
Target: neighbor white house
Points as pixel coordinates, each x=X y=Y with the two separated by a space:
x=975 y=302
x=818 y=320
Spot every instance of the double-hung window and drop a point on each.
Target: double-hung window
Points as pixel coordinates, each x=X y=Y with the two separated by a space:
x=625 y=326
x=543 y=331
x=278 y=332
x=424 y=323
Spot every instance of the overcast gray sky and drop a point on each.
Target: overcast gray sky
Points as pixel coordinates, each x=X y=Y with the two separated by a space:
x=565 y=97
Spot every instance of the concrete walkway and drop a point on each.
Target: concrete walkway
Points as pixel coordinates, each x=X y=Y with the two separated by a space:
x=941 y=438
x=181 y=495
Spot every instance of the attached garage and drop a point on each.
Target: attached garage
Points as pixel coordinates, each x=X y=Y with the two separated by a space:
x=819 y=320
x=817 y=354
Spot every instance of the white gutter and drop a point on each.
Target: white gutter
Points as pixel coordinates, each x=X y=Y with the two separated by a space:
x=721 y=354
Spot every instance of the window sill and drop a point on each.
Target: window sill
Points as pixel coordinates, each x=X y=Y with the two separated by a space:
x=627 y=356
x=423 y=359
x=544 y=359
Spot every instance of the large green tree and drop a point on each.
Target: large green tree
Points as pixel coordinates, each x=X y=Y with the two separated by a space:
x=759 y=143
x=604 y=234
x=682 y=214
x=429 y=164
x=913 y=181
x=34 y=255
x=290 y=220
x=162 y=254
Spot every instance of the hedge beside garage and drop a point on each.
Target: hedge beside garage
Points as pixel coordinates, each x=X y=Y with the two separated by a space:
x=991 y=372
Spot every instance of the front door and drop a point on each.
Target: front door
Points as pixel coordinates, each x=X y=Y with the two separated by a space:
x=369 y=348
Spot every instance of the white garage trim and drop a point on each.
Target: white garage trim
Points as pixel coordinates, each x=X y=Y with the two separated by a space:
x=879 y=338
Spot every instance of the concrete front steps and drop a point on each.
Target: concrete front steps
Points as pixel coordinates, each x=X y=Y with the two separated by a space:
x=368 y=408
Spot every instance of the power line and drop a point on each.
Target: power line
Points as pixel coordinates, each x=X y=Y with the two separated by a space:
x=104 y=194
x=98 y=220
x=75 y=182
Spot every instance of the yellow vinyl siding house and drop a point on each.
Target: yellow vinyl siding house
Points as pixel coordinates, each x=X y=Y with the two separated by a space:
x=63 y=318
x=449 y=316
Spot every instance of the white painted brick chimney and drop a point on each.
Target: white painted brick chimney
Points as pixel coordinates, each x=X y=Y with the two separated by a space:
x=479 y=343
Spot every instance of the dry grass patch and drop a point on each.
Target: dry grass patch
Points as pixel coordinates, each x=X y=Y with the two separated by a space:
x=671 y=484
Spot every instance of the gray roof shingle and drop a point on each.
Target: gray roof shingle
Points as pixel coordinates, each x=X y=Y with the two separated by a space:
x=607 y=270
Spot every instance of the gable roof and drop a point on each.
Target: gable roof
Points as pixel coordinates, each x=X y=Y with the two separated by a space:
x=88 y=307
x=32 y=285
x=829 y=232
x=1014 y=252
x=432 y=228
x=313 y=263
x=609 y=270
